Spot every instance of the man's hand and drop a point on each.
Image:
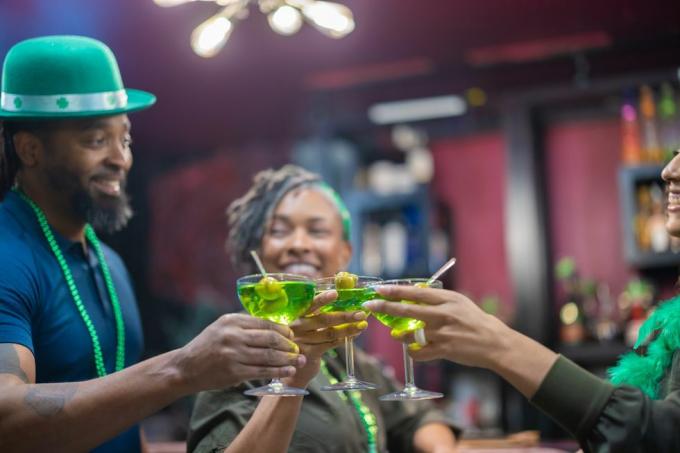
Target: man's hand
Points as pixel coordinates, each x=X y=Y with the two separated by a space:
x=237 y=348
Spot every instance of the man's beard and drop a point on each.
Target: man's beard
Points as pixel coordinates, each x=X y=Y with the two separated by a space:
x=108 y=215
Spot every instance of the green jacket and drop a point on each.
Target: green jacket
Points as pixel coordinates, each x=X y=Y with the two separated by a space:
x=327 y=422
x=605 y=418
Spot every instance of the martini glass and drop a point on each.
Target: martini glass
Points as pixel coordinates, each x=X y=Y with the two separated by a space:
x=400 y=325
x=352 y=292
x=281 y=298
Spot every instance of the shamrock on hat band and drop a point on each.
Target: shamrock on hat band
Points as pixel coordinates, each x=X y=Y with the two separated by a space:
x=54 y=103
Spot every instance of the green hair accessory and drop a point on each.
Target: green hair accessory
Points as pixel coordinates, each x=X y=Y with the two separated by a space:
x=341 y=206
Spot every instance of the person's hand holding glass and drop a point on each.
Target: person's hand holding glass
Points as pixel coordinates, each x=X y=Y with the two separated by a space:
x=290 y=299
x=319 y=331
x=352 y=291
x=401 y=326
x=280 y=298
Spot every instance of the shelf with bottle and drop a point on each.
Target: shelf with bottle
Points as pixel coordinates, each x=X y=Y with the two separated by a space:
x=390 y=232
x=650 y=125
x=647 y=244
x=596 y=327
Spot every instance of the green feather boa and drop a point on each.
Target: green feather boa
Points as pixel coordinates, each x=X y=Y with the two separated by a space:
x=646 y=371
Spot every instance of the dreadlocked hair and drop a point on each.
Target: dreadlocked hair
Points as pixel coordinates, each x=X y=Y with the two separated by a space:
x=9 y=160
x=249 y=215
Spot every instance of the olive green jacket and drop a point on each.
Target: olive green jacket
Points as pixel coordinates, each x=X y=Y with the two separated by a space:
x=605 y=418
x=327 y=422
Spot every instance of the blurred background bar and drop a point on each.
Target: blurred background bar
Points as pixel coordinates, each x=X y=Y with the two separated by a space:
x=524 y=137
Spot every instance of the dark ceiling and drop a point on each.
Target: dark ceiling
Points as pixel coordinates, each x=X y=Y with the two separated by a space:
x=262 y=86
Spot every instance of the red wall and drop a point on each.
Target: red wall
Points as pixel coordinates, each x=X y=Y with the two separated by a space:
x=582 y=161
x=470 y=178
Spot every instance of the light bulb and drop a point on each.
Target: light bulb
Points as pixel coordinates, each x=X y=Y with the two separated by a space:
x=332 y=19
x=209 y=37
x=286 y=20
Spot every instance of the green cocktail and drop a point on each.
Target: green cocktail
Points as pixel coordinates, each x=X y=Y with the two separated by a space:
x=353 y=290
x=282 y=303
x=400 y=325
x=280 y=298
x=350 y=300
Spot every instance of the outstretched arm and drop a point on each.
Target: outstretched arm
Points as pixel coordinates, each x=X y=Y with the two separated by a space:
x=458 y=330
x=78 y=416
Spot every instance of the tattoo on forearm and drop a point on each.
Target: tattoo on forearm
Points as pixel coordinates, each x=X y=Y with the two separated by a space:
x=10 y=363
x=49 y=399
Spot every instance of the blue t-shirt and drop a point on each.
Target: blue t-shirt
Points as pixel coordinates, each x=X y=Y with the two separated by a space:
x=37 y=309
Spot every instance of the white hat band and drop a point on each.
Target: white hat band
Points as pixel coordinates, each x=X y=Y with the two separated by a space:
x=55 y=103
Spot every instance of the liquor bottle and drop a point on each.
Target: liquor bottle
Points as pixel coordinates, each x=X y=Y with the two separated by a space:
x=644 y=211
x=631 y=152
x=571 y=316
x=669 y=125
x=651 y=149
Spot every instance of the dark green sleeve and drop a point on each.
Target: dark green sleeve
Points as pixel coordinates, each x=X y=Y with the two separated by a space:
x=572 y=396
x=402 y=418
x=606 y=418
x=217 y=418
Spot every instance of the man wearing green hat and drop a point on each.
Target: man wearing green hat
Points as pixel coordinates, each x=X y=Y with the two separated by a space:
x=70 y=332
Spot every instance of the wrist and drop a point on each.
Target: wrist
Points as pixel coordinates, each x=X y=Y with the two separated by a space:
x=504 y=344
x=303 y=376
x=173 y=373
x=523 y=362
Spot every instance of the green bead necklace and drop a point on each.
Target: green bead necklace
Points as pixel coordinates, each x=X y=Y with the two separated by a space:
x=368 y=419
x=68 y=276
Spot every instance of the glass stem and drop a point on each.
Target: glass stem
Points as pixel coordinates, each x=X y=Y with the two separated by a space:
x=409 y=381
x=349 y=358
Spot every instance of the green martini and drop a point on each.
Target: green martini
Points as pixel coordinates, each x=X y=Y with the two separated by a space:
x=353 y=290
x=401 y=325
x=398 y=324
x=350 y=300
x=280 y=298
x=279 y=301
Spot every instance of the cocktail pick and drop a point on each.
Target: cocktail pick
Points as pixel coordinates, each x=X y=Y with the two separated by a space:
x=258 y=263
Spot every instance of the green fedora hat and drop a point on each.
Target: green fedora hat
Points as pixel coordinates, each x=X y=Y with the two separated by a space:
x=65 y=77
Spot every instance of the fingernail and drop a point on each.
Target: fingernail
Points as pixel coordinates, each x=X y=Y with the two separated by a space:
x=414 y=347
x=289 y=370
x=295 y=348
x=368 y=304
x=362 y=325
x=302 y=360
x=359 y=315
x=381 y=289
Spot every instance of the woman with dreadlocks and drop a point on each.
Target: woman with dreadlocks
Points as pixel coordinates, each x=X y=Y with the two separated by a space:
x=299 y=225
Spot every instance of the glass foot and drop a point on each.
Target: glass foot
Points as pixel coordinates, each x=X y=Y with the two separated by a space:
x=276 y=390
x=350 y=384
x=411 y=393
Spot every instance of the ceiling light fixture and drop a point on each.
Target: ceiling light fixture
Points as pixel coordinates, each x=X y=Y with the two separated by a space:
x=284 y=16
x=417 y=109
